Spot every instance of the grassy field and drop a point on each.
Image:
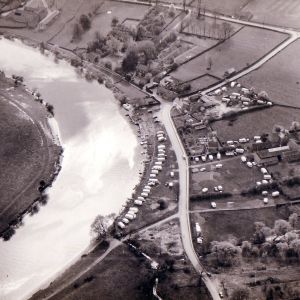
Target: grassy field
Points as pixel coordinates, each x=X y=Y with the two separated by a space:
x=244 y=48
x=280 y=77
x=221 y=225
x=28 y=154
x=228 y=7
x=234 y=176
x=255 y=123
x=110 y=280
x=198 y=45
x=276 y=12
x=202 y=82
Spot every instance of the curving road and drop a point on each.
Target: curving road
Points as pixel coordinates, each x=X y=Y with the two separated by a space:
x=183 y=205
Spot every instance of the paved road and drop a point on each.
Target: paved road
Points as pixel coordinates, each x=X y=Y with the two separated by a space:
x=183 y=205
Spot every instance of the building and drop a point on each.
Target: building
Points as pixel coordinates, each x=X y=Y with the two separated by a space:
x=270 y=156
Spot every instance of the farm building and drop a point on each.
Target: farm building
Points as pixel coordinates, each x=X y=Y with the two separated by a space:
x=270 y=156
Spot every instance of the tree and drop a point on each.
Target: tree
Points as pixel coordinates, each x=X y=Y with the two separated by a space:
x=295 y=126
x=263 y=95
x=114 y=45
x=114 y=21
x=282 y=249
x=240 y=293
x=290 y=236
x=246 y=249
x=148 y=49
x=42 y=47
x=293 y=220
x=85 y=22
x=224 y=253
x=172 y=11
x=281 y=227
x=99 y=228
x=162 y=204
x=295 y=246
x=130 y=62
x=77 y=32
x=226 y=30
x=50 y=108
x=260 y=233
x=209 y=63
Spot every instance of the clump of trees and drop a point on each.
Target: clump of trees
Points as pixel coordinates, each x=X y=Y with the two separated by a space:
x=130 y=61
x=281 y=242
x=224 y=254
x=80 y=27
x=152 y=24
x=240 y=293
x=219 y=31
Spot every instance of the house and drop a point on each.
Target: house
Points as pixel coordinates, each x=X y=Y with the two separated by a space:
x=181 y=103
x=270 y=156
x=213 y=147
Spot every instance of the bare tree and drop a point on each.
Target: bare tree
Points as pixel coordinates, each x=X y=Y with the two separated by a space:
x=77 y=32
x=293 y=220
x=99 y=228
x=282 y=250
x=227 y=30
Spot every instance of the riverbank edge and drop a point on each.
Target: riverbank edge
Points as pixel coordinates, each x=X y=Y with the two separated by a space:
x=54 y=165
x=134 y=125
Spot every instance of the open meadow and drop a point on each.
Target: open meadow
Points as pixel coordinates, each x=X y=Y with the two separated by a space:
x=255 y=123
x=241 y=50
x=276 y=12
x=280 y=77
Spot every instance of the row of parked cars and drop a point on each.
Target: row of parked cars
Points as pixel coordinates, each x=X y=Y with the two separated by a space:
x=157 y=167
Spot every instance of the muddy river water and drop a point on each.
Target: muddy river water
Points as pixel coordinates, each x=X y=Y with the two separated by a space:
x=99 y=170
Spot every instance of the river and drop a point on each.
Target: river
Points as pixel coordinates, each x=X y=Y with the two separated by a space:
x=99 y=170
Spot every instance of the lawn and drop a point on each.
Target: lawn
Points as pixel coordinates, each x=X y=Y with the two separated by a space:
x=279 y=77
x=220 y=225
x=202 y=82
x=255 y=123
x=234 y=177
x=244 y=48
x=198 y=45
x=277 y=12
